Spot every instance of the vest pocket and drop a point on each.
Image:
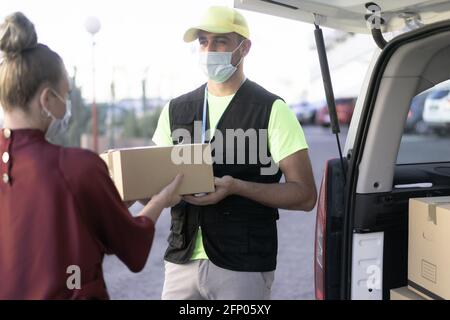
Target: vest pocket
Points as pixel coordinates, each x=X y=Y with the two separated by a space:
x=183 y=128
x=177 y=236
x=176 y=240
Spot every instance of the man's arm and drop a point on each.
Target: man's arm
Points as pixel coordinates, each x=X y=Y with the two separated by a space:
x=297 y=193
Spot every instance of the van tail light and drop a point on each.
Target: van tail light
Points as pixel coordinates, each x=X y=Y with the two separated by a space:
x=320 y=239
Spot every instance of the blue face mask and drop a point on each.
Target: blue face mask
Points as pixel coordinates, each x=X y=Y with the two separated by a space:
x=217 y=65
x=58 y=126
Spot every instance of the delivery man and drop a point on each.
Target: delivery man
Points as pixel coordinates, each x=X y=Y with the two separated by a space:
x=223 y=245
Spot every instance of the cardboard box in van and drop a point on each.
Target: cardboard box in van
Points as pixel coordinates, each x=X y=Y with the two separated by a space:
x=404 y=293
x=429 y=247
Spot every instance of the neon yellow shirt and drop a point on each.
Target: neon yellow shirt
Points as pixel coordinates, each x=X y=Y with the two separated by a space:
x=284 y=131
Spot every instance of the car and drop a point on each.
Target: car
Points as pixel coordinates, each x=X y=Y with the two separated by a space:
x=306 y=111
x=414 y=121
x=436 y=113
x=344 y=110
x=361 y=239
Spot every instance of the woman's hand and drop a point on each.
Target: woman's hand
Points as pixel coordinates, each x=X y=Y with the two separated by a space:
x=165 y=192
x=169 y=196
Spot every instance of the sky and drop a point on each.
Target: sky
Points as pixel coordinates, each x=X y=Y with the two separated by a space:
x=143 y=39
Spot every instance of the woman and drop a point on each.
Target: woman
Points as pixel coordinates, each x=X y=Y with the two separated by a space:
x=59 y=210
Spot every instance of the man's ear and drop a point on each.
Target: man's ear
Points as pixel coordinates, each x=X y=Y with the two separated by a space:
x=246 y=46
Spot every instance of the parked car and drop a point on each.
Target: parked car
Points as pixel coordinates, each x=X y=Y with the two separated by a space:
x=306 y=111
x=414 y=121
x=344 y=110
x=361 y=243
x=436 y=113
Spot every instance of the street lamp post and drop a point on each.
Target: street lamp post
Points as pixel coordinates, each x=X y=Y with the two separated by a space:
x=144 y=90
x=112 y=112
x=92 y=26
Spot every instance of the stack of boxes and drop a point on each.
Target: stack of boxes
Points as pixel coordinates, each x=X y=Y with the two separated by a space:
x=428 y=251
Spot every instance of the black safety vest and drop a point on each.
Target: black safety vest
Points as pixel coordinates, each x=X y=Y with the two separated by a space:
x=238 y=234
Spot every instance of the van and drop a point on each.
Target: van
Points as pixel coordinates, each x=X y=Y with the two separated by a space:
x=361 y=241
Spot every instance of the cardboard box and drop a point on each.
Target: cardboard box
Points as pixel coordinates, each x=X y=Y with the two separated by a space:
x=429 y=247
x=140 y=173
x=404 y=293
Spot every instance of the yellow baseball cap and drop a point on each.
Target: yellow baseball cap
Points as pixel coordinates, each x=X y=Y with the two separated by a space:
x=219 y=20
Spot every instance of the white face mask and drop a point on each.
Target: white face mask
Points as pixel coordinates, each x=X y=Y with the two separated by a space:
x=58 y=126
x=217 y=65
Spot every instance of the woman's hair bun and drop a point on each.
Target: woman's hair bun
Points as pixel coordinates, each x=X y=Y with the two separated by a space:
x=17 y=34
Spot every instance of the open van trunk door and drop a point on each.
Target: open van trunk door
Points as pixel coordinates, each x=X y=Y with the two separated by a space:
x=351 y=15
x=369 y=209
x=379 y=186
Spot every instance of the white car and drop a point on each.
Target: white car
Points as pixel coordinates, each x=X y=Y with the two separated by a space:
x=306 y=111
x=436 y=112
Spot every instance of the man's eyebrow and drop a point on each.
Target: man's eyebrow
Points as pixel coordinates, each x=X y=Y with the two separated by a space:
x=219 y=37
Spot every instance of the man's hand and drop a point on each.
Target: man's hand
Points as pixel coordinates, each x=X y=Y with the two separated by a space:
x=225 y=187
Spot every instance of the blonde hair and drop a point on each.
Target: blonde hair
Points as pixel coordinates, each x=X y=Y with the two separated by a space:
x=26 y=63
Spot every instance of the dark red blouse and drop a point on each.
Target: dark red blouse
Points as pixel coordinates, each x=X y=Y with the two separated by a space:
x=59 y=208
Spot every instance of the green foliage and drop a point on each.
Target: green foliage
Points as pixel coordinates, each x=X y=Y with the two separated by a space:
x=142 y=127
